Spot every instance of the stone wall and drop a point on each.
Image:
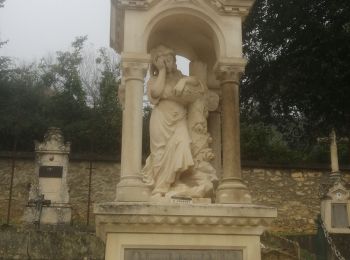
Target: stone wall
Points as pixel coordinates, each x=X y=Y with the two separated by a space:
x=294 y=192
x=69 y=244
x=104 y=178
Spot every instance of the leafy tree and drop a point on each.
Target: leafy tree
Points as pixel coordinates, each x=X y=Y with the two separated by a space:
x=107 y=123
x=299 y=63
x=260 y=142
x=63 y=76
x=22 y=101
x=4 y=61
x=298 y=73
x=67 y=103
x=53 y=93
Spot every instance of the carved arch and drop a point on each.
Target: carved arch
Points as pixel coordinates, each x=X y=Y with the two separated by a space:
x=210 y=29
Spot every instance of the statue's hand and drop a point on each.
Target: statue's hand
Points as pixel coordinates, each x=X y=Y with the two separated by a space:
x=160 y=63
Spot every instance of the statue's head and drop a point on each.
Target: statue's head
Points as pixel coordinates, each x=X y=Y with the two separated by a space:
x=163 y=54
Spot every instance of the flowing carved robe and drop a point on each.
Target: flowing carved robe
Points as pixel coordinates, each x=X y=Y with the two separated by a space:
x=170 y=141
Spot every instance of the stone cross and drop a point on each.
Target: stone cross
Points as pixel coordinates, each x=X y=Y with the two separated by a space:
x=332 y=140
x=38 y=203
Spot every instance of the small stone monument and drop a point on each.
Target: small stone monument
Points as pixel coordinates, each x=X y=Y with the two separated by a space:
x=335 y=209
x=335 y=204
x=48 y=196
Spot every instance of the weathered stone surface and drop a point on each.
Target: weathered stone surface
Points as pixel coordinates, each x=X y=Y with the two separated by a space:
x=296 y=196
x=105 y=176
x=296 y=213
x=36 y=244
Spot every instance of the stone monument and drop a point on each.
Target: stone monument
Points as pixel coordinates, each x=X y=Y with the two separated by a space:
x=335 y=209
x=48 y=196
x=335 y=204
x=170 y=207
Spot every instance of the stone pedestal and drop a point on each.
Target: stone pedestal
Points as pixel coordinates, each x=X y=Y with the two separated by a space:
x=161 y=231
x=49 y=197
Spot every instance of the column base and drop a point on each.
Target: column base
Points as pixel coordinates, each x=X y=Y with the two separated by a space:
x=232 y=191
x=132 y=189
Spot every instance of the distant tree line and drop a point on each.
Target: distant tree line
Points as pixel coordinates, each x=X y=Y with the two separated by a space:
x=75 y=91
x=295 y=89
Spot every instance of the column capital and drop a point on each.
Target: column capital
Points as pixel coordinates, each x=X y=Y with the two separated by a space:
x=135 y=65
x=229 y=70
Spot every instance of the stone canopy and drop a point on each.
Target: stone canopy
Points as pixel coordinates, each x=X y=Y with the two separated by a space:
x=207 y=30
x=172 y=203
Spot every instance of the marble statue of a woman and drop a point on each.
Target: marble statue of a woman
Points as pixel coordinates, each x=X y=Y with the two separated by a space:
x=171 y=159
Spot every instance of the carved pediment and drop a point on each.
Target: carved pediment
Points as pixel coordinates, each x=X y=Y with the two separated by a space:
x=226 y=7
x=53 y=142
x=232 y=7
x=135 y=4
x=339 y=192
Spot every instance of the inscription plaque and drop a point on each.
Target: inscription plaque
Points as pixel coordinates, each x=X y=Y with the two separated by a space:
x=181 y=254
x=340 y=218
x=50 y=171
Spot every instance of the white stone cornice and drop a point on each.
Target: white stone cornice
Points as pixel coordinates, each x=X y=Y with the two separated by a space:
x=230 y=69
x=231 y=7
x=53 y=143
x=224 y=7
x=135 y=4
x=182 y=218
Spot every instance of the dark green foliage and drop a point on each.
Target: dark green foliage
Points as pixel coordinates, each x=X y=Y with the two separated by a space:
x=107 y=112
x=67 y=108
x=64 y=76
x=264 y=143
x=22 y=102
x=298 y=74
x=33 y=98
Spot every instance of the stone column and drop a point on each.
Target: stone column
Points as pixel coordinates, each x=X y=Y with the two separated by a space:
x=334 y=152
x=131 y=188
x=231 y=188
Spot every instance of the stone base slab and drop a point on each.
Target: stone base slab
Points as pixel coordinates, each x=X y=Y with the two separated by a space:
x=158 y=229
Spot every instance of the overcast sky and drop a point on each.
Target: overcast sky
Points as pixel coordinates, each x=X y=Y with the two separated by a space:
x=35 y=28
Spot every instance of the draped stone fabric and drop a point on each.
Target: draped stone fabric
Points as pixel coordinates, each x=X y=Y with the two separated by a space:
x=179 y=163
x=170 y=141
